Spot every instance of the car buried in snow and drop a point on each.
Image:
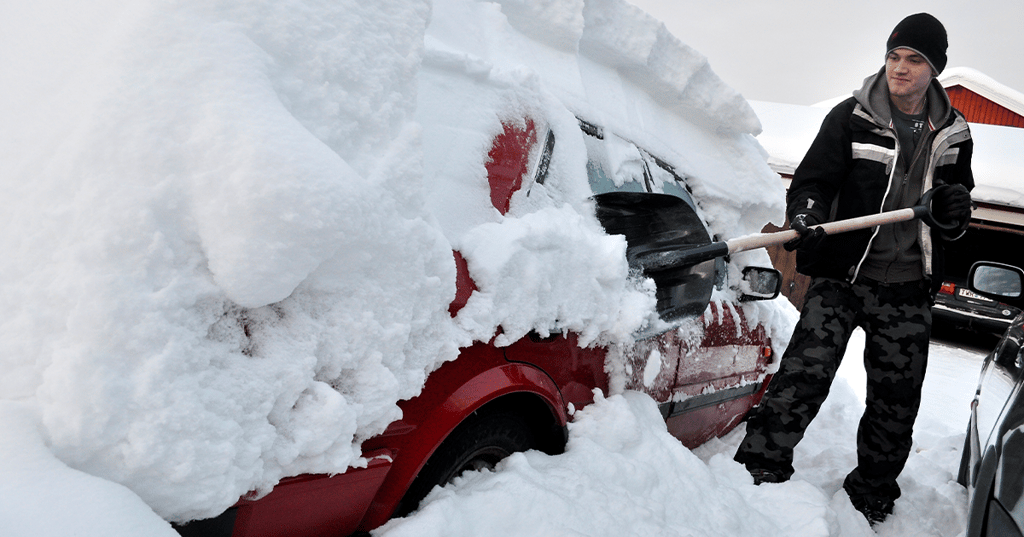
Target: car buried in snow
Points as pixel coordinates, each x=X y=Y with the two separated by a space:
x=493 y=401
x=706 y=359
x=992 y=464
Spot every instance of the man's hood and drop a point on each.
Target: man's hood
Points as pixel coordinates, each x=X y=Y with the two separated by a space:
x=873 y=95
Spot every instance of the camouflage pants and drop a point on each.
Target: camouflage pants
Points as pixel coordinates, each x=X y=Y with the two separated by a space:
x=897 y=322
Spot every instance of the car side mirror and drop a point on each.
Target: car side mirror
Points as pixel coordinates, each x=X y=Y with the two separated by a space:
x=997 y=281
x=760 y=283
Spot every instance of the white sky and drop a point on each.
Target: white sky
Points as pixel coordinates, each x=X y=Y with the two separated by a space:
x=808 y=51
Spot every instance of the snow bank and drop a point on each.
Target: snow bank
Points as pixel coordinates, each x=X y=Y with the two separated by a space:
x=603 y=485
x=623 y=474
x=219 y=270
x=42 y=496
x=228 y=225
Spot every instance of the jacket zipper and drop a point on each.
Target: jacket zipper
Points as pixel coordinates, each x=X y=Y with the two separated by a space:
x=939 y=146
x=888 y=188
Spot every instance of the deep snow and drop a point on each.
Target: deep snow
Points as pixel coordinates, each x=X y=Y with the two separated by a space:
x=623 y=474
x=228 y=236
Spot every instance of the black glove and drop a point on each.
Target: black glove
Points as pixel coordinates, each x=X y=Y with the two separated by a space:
x=951 y=204
x=809 y=239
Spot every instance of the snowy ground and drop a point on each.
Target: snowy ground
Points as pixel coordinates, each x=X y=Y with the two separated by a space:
x=227 y=234
x=622 y=474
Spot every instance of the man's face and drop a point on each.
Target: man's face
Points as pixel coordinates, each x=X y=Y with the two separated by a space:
x=907 y=73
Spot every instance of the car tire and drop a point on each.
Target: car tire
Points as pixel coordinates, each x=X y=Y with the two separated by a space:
x=479 y=442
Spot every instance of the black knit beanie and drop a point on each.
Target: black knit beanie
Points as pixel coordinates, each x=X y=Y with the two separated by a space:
x=923 y=34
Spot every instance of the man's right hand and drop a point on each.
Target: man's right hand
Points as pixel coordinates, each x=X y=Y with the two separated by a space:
x=809 y=239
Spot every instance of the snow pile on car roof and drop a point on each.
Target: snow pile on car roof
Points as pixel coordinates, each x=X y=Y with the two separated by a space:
x=218 y=270
x=222 y=264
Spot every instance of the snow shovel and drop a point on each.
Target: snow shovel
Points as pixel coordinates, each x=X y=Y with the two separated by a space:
x=654 y=260
x=667 y=240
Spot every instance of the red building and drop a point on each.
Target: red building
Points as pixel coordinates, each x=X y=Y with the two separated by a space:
x=983 y=100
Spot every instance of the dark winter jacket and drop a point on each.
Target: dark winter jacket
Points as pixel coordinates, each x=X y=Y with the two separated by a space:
x=851 y=169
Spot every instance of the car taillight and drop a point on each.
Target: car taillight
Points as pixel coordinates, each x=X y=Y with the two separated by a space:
x=947 y=288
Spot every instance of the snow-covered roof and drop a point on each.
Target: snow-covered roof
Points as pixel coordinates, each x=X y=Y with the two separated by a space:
x=617 y=34
x=787 y=132
x=998 y=162
x=985 y=86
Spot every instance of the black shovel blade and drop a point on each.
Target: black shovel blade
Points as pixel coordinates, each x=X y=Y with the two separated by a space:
x=656 y=225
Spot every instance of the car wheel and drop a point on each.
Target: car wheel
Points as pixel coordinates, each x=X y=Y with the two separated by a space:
x=478 y=443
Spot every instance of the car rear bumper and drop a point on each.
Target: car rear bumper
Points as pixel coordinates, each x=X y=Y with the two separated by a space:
x=972 y=320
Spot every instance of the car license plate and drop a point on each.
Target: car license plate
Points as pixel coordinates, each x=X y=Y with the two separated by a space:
x=967 y=293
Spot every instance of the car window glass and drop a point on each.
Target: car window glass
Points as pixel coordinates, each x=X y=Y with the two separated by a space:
x=665 y=180
x=627 y=163
x=613 y=165
x=655 y=223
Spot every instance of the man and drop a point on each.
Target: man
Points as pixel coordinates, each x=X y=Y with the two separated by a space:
x=882 y=149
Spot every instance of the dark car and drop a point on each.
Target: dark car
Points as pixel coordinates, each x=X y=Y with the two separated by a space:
x=958 y=307
x=992 y=467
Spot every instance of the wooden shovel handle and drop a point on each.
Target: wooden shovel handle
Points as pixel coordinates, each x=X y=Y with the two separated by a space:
x=760 y=240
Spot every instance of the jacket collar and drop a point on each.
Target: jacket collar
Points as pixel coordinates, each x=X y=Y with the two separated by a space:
x=873 y=96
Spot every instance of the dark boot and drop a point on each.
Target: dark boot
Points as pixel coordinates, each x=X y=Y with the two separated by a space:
x=767 y=476
x=876 y=510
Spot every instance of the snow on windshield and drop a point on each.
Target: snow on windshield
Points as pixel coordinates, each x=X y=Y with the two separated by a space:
x=228 y=232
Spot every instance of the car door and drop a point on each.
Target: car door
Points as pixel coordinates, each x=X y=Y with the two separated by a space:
x=704 y=365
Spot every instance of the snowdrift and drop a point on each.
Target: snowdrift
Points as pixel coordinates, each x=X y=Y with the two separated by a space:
x=228 y=238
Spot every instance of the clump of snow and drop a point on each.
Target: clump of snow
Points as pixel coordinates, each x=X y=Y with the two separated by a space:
x=522 y=250
x=228 y=226
x=547 y=265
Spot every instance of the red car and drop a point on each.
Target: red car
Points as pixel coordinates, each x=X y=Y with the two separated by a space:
x=706 y=367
